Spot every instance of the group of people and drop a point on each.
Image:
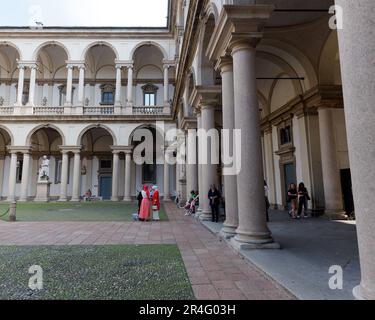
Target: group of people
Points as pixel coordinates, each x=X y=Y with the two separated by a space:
x=149 y=204
x=298 y=198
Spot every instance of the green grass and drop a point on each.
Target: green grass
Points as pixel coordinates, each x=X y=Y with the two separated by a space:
x=94 y=211
x=147 y=272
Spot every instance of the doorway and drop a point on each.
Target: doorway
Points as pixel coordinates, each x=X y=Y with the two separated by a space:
x=105 y=187
x=346 y=185
x=290 y=177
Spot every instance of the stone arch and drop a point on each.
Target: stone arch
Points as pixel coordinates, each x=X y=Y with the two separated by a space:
x=8 y=132
x=96 y=126
x=48 y=43
x=211 y=9
x=148 y=43
x=11 y=44
x=45 y=126
x=99 y=43
x=328 y=60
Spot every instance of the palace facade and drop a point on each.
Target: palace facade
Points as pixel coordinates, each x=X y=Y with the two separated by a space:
x=301 y=93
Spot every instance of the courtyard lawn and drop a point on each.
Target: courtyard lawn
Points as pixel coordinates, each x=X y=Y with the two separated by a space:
x=154 y=272
x=85 y=211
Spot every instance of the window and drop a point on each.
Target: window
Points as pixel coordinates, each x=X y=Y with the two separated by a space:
x=149 y=173
x=62 y=94
x=108 y=93
x=19 y=171
x=286 y=135
x=149 y=95
x=105 y=164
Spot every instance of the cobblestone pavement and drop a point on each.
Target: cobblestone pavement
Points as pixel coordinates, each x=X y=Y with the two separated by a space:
x=215 y=271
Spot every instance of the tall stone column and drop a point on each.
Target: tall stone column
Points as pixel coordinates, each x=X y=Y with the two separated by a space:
x=128 y=176
x=118 y=86
x=200 y=171
x=81 y=86
x=2 y=160
x=167 y=192
x=25 y=176
x=33 y=69
x=115 y=175
x=77 y=176
x=130 y=86
x=230 y=181
x=191 y=165
x=331 y=172
x=21 y=80
x=64 y=176
x=69 y=86
x=12 y=176
x=357 y=47
x=166 y=84
x=208 y=169
x=252 y=231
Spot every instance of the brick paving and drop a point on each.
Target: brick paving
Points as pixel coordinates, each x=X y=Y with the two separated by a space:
x=214 y=269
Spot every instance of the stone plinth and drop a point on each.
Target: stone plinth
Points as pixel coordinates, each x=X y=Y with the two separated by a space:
x=43 y=191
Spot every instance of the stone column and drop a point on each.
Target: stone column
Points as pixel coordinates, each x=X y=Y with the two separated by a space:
x=21 y=79
x=118 y=86
x=167 y=193
x=130 y=86
x=128 y=163
x=77 y=176
x=25 y=176
x=69 y=86
x=200 y=172
x=64 y=176
x=230 y=181
x=32 y=85
x=81 y=86
x=12 y=177
x=115 y=175
x=166 y=85
x=331 y=171
x=357 y=49
x=2 y=160
x=252 y=231
x=208 y=169
x=191 y=165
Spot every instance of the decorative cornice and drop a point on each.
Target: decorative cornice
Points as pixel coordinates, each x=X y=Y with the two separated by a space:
x=205 y=96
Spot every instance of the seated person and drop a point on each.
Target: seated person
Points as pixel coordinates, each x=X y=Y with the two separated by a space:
x=88 y=195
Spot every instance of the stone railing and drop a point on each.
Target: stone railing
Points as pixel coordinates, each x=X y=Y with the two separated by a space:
x=157 y=110
x=99 y=111
x=5 y=111
x=48 y=111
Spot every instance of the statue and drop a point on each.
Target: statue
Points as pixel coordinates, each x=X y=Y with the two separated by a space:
x=44 y=170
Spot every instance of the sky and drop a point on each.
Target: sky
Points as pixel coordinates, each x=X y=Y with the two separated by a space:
x=84 y=13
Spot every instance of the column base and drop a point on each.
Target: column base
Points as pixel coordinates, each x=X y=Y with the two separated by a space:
x=128 y=200
x=75 y=200
x=360 y=295
x=336 y=215
x=62 y=200
x=115 y=199
x=22 y=200
x=205 y=216
x=239 y=245
x=167 y=199
x=228 y=232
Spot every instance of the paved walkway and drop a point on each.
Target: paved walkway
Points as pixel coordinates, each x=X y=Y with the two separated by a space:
x=309 y=248
x=215 y=271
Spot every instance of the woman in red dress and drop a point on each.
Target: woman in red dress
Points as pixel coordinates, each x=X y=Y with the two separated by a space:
x=144 y=213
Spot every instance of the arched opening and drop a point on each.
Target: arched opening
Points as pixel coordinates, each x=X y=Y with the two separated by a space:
x=8 y=74
x=51 y=76
x=147 y=142
x=101 y=75
x=97 y=162
x=149 y=76
x=5 y=141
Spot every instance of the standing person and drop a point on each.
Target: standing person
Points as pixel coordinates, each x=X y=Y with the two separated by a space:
x=303 y=198
x=293 y=198
x=139 y=198
x=155 y=204
x=267 y=201
x=144 y=213
x=214 y=196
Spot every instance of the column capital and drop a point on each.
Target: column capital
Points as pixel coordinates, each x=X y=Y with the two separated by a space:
x=19 y=149
x=75 y=63
x=238 y=23
x=73 y=149
x=224 y=64
x=168 y=63
x=205 y=96
x=27 y=64
x=124 y=63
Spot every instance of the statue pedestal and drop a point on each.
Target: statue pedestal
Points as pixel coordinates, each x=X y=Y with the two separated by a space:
x=43 y=191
